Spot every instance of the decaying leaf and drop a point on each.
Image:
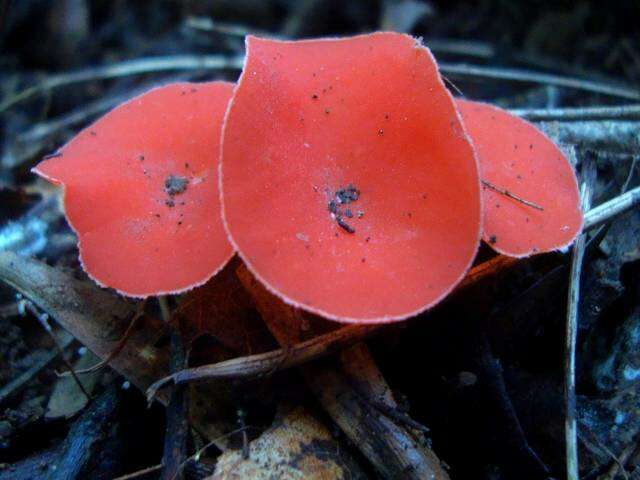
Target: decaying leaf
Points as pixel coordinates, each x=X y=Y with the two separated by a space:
x=297 y=447
x=67 y=399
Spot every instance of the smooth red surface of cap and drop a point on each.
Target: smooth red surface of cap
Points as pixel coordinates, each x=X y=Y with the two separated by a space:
x=141 y=190
x=517 y=157
x=369 y=115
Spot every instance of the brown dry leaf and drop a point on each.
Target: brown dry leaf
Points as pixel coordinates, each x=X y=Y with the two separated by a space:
x=223 y=309
x=297 y=447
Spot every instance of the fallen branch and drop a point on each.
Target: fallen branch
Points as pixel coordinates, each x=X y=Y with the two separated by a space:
x=611 y=208
x=462 y=70
x=571 y=335
x=618 y=112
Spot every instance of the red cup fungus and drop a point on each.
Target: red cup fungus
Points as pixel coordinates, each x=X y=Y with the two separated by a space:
x=348 y=184
x=141 y=190
x=530 y=192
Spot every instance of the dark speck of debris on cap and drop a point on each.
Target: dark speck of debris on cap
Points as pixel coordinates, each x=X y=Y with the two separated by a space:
x=493 y=239
x=175 y=185
x=343 y=196
x=345 y=226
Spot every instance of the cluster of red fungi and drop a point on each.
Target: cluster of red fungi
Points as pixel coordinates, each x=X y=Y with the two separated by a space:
x=342 y=171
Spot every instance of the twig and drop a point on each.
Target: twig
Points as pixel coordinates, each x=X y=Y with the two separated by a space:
x=298 y=354
x=118 y=348
x=43 y=318
x=127 y=68
x=571 y=430
x=216 y=62
x=507 y=193
x=517 y=75
x=609 y=209
x=618 y=463
x=177 y=428
x=282 y=358
x=621 y=112
x=139 y=473
x=87 y=438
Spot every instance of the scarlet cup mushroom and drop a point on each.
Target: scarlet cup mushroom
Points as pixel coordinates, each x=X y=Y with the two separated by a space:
x=531 y=197
x=349 y=186
x=141 y=190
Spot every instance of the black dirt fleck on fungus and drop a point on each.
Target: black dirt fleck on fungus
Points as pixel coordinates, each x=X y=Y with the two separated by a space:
x=141 y=158
x=169 y=203
x=409 y=214
x=183 y=92
x=186 y=165
x=531 y=146
x=348 y=194
x=515 y=147
x=175 y=185
x=381 y=132
x=526 y=219
x=345 y=226
x=157 y=215
x=180 y=222
x=534 y=250
x=424 y=196
x=327 y=111
x=333 y=207
x=52 y=155
x=493 y=239
x=194 y=90
x=93 y=133
x=386 y=116
x=314 y=97
x=348 y=213
x=497 y=205
x=360 y=214
x=336 y=234
x=367 y=239
x=363 y=260
x=519 y=177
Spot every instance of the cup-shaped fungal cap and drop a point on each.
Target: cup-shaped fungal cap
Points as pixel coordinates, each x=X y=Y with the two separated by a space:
x=141 y=190
x=530 y=192
x=348 y=184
